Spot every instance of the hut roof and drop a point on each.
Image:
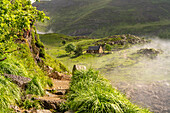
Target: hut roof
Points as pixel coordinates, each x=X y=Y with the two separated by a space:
x=94 y=48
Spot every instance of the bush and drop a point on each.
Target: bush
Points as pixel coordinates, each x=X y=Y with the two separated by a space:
x=78 y=50
x=69 y=48
x=108 y=47
x=91 y=93
x=63 y=42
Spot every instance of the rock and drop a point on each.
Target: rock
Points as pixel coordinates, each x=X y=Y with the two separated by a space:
x=69 y=112
x=78 y=68
x=16 y=109
x=19 y=80
x=61 y=92
x=151 y=53
x=48 y=69
x=43 y=111
x=60 y=76
x=57 y=91
x=56 y=75
x=50 y=102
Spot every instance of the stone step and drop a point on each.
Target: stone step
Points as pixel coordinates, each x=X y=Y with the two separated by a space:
x=59 y=84
x=50 y=102
x=58 y=91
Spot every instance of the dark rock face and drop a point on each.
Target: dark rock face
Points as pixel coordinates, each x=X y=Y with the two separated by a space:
x=19 y=80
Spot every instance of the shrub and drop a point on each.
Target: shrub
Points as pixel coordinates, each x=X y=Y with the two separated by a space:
x=78 y=50
x=69 y=48
x=108 y=47
x=63 y=42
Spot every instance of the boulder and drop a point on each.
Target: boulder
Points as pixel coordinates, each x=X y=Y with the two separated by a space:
x=43 y=111
x=78 y=68
x=19 y=80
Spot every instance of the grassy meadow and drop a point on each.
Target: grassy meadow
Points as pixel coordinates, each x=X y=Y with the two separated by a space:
x=121 y=65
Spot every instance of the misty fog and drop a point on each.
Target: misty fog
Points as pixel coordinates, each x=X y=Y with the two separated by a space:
x=147 y=82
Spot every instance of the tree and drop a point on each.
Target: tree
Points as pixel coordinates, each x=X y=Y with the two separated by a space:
x=17 y=17
x=78 y=50
x=108 y=47
x=69 y=48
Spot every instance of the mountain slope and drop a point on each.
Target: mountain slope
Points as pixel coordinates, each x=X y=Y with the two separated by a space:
x=107 y=17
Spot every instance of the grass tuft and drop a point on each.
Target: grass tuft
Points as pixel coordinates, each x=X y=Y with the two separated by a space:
x=35 y=87
x=9 y=94
x=92 y=93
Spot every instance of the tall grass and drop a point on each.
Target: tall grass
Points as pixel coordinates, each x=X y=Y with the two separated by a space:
x=9 y=94
x=91 y=93
x=13 y=66
x=35 y=87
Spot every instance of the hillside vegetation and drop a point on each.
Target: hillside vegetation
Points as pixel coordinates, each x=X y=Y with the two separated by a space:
x=107 y=17
x=22 y=55
x=26 y=68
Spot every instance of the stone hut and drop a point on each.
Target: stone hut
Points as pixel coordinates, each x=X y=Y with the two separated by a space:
x=95 y=49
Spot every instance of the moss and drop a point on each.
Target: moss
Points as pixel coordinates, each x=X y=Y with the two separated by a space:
x=38 y=43
x=42 y=52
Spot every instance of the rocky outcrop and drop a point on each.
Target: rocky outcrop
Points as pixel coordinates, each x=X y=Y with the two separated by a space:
x=149 y=52
x=122 y=40
x=19 y=80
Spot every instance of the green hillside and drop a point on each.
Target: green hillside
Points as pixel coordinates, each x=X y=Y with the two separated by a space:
x=23 y=60
x=107 y=17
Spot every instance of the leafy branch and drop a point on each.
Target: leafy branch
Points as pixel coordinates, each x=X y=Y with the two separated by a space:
x=16 y=16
